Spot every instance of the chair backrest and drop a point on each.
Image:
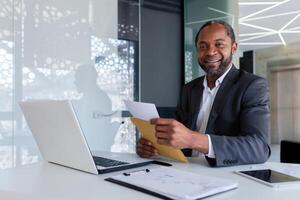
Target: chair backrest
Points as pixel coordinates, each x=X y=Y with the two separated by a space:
x=289 y=151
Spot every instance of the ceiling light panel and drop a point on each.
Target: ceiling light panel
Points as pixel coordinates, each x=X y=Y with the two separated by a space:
x=268 y=23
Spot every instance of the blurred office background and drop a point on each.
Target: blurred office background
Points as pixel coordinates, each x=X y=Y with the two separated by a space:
x=100 y=52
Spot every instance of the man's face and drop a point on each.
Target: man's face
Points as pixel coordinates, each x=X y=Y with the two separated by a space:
x=215 y=50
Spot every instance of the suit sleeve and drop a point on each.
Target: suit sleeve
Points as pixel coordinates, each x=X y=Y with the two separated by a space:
x=251 y=144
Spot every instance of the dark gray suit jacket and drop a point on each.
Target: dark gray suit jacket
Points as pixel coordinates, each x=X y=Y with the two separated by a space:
x=239 y=121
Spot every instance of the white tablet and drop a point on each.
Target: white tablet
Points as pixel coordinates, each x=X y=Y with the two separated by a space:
x=272 y=178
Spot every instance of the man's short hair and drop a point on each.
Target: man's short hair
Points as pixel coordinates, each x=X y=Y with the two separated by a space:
x=228 y=28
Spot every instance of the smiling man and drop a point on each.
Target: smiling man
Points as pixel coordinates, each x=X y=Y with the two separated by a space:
x=223 y=115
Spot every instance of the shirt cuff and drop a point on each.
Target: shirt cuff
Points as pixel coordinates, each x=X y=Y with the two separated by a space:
x=211 y=152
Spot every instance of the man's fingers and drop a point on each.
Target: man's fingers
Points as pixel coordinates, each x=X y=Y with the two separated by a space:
x=163 y=141
x=162 y=135
x=145 y=153
x=162 y=121
x=162 y=128
x=145 y=149
x=145 y=142
x=146 y=145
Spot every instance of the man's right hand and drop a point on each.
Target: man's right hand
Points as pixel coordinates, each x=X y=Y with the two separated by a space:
x=145 y=149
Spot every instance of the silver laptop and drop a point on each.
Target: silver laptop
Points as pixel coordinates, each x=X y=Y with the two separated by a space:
x=57 y=132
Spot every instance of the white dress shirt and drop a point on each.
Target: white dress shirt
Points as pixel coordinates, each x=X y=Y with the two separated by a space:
x=207 y=101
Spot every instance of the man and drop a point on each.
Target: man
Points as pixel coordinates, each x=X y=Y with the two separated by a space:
x=224 y=114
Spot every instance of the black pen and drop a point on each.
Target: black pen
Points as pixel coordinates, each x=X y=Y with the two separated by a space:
x=128 y=173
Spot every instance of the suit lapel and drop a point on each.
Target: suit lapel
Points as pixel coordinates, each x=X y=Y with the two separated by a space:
x=196 y=98
x=220 y=98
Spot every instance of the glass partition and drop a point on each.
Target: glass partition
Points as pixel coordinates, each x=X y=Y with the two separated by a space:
x=86 y=51
x=6 y=83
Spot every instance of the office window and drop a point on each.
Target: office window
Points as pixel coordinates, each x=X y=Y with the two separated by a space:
x=87 y=51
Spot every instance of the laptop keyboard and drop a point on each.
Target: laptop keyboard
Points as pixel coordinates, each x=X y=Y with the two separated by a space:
x=105 y=162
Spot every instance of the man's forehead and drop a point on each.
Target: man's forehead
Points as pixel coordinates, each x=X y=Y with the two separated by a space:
x=215 y=32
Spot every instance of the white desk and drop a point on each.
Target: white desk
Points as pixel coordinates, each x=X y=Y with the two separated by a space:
x=49 y=181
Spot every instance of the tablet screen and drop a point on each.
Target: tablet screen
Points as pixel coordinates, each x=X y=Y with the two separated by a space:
x=270 y=176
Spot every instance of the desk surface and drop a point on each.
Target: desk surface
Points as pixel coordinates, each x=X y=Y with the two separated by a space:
x=49 y=181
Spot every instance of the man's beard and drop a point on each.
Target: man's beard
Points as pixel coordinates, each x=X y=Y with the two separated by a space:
x=220 y=71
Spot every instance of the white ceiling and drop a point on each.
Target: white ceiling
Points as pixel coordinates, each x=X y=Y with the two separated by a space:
x=268 y=23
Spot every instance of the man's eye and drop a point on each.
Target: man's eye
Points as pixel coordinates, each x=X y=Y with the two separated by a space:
x=202 y=46
x=220 y=45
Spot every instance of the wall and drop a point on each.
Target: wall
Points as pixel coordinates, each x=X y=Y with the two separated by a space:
x=280 y=66
x=276 y=56
x=161 y=57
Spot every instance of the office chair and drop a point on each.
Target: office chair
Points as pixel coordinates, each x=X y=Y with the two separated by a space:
x=289 y=151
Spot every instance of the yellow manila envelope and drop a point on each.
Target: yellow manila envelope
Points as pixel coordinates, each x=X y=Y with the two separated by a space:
x=148 y=132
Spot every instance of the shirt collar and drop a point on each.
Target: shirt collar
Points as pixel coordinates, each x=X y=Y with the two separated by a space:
x=219 y=80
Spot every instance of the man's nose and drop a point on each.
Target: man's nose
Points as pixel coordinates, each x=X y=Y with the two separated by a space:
x=211 y=50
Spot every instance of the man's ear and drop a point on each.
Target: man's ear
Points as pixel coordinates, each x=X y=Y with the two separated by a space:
x=233 y=47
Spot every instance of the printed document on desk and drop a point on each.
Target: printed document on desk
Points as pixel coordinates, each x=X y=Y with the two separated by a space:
x=169 y=183
x=142 y=113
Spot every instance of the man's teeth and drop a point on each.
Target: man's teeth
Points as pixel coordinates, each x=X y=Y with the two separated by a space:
x=212 y=61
